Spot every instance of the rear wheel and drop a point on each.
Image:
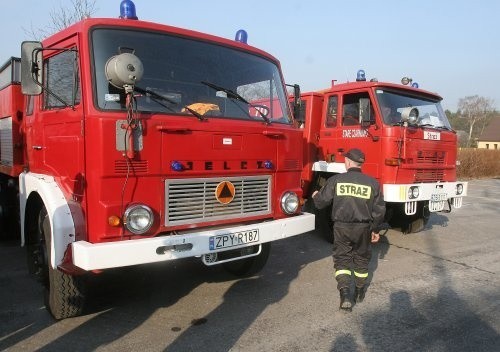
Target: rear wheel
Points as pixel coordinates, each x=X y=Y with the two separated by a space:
x=64 y=294
x=249 y=266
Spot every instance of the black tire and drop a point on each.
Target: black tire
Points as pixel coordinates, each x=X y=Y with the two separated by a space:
x=249 y=266
x=415 y=225
x=64 y=295
x=417 y=222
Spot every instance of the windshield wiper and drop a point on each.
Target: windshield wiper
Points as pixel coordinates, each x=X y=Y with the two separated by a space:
x=443 y=128
x=195 y=113
x=157 y=97
x=235 y=96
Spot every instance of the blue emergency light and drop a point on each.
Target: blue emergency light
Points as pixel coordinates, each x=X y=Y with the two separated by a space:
x=268 y=164
x=176 y=166
x=414 y=85
x=241 y=36
x=360 y=77
x=127 y=10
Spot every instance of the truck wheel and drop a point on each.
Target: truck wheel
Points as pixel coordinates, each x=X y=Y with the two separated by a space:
x=249 y=266
x=418 y=221
x=414 y=226
x=64 y=295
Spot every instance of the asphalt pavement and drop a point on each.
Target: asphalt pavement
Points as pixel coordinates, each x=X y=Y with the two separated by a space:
x=437 y=290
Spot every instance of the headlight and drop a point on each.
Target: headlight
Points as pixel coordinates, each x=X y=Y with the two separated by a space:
x=138 y=218
x=289 y=203
x=459 y=188
x=413 y=192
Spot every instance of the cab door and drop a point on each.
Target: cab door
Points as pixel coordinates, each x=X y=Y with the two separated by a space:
x=60 y=117
x=329 y=130
x=352 y=133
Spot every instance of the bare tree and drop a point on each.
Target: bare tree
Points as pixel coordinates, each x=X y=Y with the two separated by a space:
x=476 y=110
x=63 y=17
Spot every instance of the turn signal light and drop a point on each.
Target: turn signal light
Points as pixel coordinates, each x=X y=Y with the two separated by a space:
x=392 y=162
x=114 y=221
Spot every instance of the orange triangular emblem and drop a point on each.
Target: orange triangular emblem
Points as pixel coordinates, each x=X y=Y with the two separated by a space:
x=224 y=192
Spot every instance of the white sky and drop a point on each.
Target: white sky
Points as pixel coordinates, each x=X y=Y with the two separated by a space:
x=448 y=46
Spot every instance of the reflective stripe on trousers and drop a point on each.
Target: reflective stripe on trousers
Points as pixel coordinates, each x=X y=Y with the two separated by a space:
x=343 y=272
x=361 y=275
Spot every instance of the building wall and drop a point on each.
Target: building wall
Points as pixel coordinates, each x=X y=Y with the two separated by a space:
x=488 y=145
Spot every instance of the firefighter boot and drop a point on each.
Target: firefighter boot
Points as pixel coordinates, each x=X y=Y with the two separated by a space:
x=345 y=299
x=359 y=294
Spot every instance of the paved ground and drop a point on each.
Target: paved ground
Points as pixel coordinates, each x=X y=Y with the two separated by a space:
x=437 y=290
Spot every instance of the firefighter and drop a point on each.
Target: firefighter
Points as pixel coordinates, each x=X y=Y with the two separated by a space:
x=358 y=211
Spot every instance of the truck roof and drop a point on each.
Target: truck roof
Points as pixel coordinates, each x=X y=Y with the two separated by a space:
x=84 y=26
x=368 y=84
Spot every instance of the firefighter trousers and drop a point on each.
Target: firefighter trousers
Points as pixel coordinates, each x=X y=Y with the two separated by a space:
x=351 y=253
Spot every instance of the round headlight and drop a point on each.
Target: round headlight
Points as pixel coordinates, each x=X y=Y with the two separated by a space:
x=289 y=203
x=460 y=188
x=138 y=218
x=413 y=192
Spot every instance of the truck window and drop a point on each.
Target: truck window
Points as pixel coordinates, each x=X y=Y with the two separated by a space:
x=393 y=103
x=350 y=109
x=60 y=79
x=331 y=112
x=176 y=69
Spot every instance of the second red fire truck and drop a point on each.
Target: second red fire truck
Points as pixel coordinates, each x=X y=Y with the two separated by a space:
x=409 y=144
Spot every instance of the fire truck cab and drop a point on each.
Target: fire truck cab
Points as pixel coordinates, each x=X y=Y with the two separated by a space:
x=126 y=142
x=409 y=145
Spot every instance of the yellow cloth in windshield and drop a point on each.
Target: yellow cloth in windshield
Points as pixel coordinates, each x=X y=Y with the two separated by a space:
x=203 y=108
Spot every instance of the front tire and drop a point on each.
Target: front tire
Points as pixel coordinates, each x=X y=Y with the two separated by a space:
x=249 y=266
x=64 y=295
x=417 y=222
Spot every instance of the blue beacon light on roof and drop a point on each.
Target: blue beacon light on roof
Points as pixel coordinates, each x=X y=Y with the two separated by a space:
x=241 y=36
x=127 y=10
x=361 y=77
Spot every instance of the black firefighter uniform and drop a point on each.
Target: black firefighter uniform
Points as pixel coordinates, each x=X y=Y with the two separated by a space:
x=358 y=209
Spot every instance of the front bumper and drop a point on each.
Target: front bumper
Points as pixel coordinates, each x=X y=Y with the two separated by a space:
x=436 y=194
x=191 y=243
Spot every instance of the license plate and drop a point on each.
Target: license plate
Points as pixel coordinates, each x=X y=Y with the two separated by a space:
x=233 y=239
x=437 y=197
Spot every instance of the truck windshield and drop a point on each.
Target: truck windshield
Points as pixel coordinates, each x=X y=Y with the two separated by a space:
x=392 y=104
x=176 y=73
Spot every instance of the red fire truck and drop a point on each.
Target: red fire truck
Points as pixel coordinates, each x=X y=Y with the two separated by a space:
x=126 y=142
x=409 y=144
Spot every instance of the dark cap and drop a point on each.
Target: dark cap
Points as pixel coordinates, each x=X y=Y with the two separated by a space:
x=355 y=155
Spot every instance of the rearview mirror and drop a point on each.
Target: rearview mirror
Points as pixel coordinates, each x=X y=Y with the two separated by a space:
x=31 y=68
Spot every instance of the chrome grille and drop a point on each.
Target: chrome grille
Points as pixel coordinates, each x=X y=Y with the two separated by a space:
x=190 y=201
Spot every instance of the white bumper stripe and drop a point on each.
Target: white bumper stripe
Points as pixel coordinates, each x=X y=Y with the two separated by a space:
x=399 y=193
x=90 y=256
